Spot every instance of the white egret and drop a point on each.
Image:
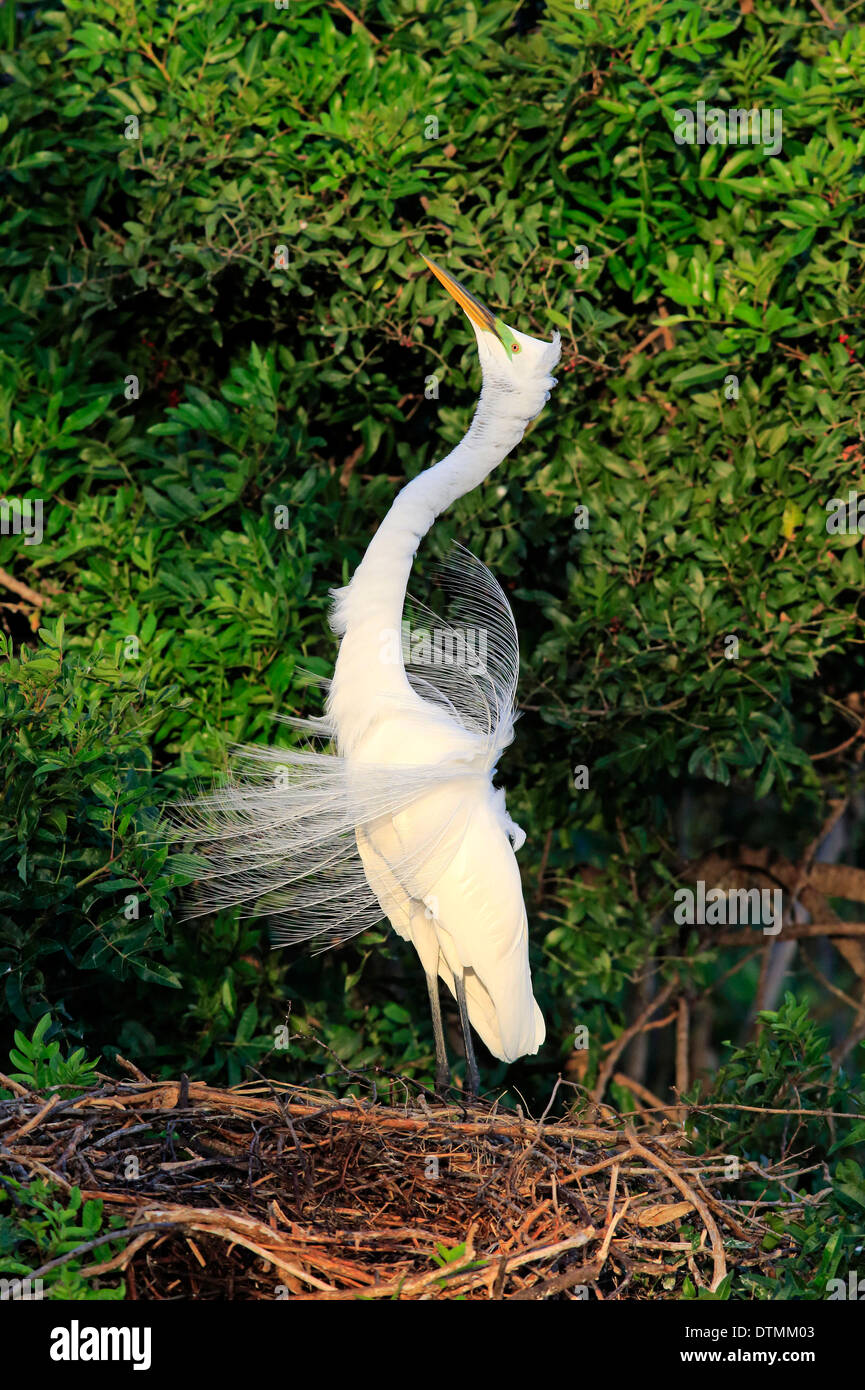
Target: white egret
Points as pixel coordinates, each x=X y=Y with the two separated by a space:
x=398 y=816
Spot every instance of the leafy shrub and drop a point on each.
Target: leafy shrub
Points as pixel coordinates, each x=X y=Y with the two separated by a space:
x=38 y=1224
x=42 y=1065
x=788 y=1070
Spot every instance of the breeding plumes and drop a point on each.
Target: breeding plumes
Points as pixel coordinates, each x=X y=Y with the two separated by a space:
x=390 y=810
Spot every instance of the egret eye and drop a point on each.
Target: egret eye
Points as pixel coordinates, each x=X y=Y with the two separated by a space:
x=515 y=347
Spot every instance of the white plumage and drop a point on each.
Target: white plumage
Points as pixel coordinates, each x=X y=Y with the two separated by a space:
x=396 y=813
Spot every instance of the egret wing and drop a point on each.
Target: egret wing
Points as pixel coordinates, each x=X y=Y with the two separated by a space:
x=467 y=659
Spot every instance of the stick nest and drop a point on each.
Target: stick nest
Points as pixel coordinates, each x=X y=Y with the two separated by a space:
x=274 y=1191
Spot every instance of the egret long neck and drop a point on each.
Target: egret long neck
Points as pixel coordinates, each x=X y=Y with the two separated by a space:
x=369 y=612
x=383 y=574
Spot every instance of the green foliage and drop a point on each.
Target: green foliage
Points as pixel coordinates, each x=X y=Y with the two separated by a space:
x=42 y=1066
x=194 y=524
x=39 y=1224
x=453 y=1260
x=818 y=1215
x=77 y=779
x=704 y=1295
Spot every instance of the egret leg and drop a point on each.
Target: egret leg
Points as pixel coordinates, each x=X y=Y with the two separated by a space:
x=443 y=1073
x=473 y=1079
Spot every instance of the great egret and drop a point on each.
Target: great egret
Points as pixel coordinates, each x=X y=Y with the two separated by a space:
x=402 y=819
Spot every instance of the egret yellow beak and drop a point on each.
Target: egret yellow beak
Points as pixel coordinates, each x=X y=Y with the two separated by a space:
x=479 y=314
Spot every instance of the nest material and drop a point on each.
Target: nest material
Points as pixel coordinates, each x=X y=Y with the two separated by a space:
x=270 y=1190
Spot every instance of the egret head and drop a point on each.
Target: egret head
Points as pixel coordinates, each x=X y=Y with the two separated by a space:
x=509 y=358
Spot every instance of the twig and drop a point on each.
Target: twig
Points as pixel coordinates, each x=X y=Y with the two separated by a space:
x=719 y=1261
x=22 y=590
x=624 y=1038
x=354 y=19
x=839 y=748
x=682 y=1034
